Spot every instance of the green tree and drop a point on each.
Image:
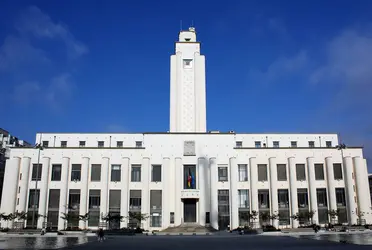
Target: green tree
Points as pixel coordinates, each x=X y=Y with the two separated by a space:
x=137 y=218
x=84 y=218
x=69 y=218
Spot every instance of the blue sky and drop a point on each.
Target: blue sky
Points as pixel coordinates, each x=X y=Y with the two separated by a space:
x=272 y=66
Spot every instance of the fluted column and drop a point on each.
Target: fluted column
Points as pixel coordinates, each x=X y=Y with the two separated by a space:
x=201 y=186
x=43 y=191
x=165 y=192
x=178 y=186
x=312 y=189
x=331 y=187
x=64 y=191
x=351 y=206
x=84 y=190
x=293 y=189
x=253 y=186
x=274 y=189
x=234 y=222
x=145 y=190
x=105 y=182
x=214 y=193
x=10 y=187
x=124 y=202
x=25 y=171
x=362 y=187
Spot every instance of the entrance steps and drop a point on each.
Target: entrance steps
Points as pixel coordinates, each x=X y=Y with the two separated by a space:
x=189 y=228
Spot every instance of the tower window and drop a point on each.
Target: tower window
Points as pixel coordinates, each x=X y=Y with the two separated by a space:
x=187 y=63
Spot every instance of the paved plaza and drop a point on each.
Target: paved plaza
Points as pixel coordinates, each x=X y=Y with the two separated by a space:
x=231 y=242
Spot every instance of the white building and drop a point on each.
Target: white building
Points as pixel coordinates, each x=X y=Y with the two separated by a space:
x=188 y=175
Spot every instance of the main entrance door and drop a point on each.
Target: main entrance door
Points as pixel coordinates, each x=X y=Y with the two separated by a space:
x=189 y=210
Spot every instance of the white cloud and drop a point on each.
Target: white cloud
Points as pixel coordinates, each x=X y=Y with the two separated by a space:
x=39 y=24
x=282 y=67
x=53 y=94
x=27 y=92
x=16 y=52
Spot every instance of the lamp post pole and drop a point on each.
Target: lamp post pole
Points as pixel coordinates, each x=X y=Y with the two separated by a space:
x=39 y=147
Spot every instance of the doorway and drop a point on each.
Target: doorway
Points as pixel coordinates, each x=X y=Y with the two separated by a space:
x=189 y=210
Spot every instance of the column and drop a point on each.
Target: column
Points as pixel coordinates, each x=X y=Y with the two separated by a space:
x=178 y=185
x=64 y=191
x=234 y=222
x=145 y=206
x=10 y=187
x=293 y=189
x=331 y=187
x=201 y=187
x=253 y=187
x=84 y=195
x=349 y=183
x=25 y=171
x=214 y=193
x=45 y=161
x=362 y=187
x=312 y=189
x=274 y=189
x=104 y=181
x=165 y=192
x=124 y=202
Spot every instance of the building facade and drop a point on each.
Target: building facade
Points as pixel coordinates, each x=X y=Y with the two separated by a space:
x=7 y=141
x=188 y=175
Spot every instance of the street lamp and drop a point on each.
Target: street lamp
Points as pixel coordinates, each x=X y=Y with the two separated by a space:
x=39 y=147
x=341 y=146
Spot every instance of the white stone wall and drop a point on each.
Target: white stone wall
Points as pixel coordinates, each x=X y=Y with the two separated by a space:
x=211 y=150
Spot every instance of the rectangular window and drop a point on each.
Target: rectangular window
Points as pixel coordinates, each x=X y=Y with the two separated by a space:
x=138 y=144
x=257 y=144
x=155 y=208
x=262 y=172
x=116 y=173
x=75 y=172
x=101 y=144
x=293 y=144
x=36 y=172
x=119 y=144
x=63 y=144
x=95 y=174
x=328 y=144
x=243 y=172
x=340 y=197
x=300 y=172
x=74 y=199
x=114 y=200
x=275 y=144
x=243 y=197
x=223 y=209
x=56 y=172
x=239 y=144
x=31 y=199
x=263 y=199
x=281 y=172
x=222 y=174
x=302 y=198
x=53 y=198
x=311 y=144
x=337 y=171
x=45 y=144
x=187 y=63
x=283 y=198
x=321 y=195
x=81 y=144
x=189 y=177
x=135 y=200
x=319 y=172
x=156 y=173
x=136 y=173
x=171 y=217
x=94 y=199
